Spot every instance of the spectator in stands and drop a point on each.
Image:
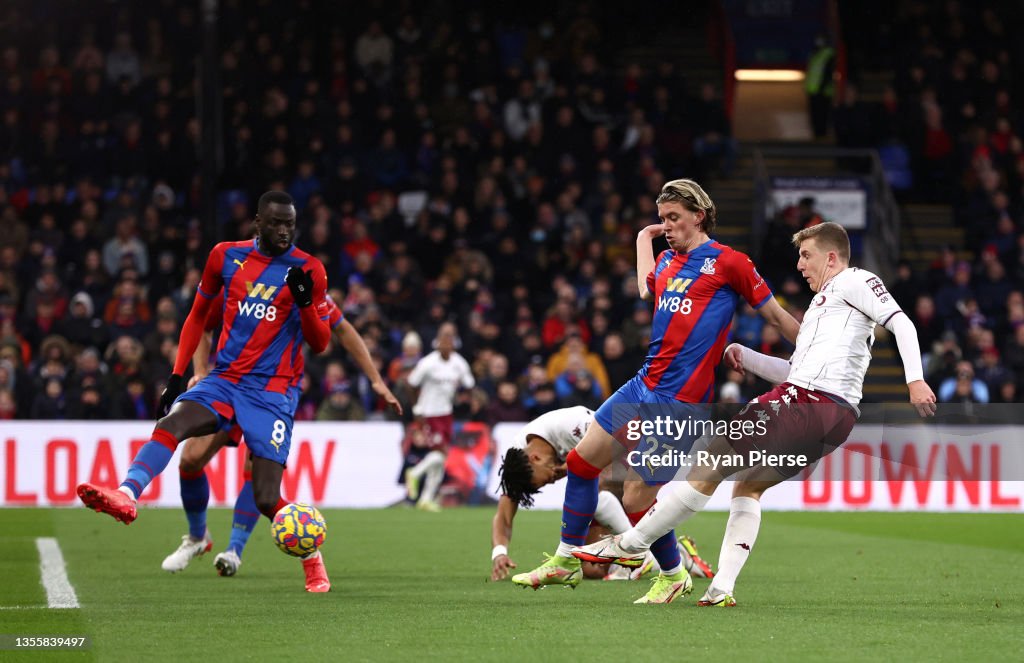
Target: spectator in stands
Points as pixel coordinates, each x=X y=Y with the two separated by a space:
x=475 y=122
x=127 y=312
x=576 y=385
x=819 y=85
x=339 y=405
x=8 y=405
x=964 y=387
x=929 y=326
x=49 y=403
x=82 y=328
x=543 y=398
x=125 y=249
x=713 y=133
x=506 y=405
x=123 y=62
x=992 y=372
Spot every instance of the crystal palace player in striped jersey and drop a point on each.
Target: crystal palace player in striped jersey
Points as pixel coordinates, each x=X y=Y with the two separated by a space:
x=199 y=451
x=258 y=368
x=695 y=286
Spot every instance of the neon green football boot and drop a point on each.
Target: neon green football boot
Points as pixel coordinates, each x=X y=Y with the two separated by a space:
x=555 y=570
x=713 y=599
x=665 y=589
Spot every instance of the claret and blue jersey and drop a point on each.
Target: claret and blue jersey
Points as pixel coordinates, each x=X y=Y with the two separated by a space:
x=261 y=340
x=695 y=297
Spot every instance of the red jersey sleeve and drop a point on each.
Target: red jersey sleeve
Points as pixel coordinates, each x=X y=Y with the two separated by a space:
x=745 y=280
x=334 y=314
x=651 y=280
x=213 y=279
x=216 y=315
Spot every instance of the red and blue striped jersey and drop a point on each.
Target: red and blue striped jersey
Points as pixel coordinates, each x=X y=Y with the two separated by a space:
x=695 y=297
x=261 y=338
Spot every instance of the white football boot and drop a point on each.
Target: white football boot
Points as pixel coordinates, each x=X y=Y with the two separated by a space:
x=227 y=563
x=188 y=550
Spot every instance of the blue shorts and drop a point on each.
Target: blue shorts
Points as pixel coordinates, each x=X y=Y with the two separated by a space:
x=265 y=417
x=649 y=423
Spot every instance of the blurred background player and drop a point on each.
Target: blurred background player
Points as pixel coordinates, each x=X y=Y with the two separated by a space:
x=811 y=412
x=695 y=285
x=198 y=452
x=258 y=368
x=438 y=376
x=537 y=459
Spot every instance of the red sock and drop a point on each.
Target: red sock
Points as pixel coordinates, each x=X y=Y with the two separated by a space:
x=635 y=517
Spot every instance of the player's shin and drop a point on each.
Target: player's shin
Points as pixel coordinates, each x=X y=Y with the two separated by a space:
x=679 y=504
x=151 y=460
x=740 y=535
x=244 y=519
x=581 y=492
x=195 y=497
x=434 y=476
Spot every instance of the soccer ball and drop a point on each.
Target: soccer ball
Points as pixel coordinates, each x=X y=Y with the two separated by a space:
x=299 y=529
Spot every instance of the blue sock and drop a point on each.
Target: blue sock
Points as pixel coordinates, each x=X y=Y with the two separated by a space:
x=195 y=496
x=666 y=551
x=580 y=499
x=150 y=461
x=244 y=520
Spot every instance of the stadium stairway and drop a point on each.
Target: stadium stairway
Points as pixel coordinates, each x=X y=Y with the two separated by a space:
x=884 y=381
x=926 y=230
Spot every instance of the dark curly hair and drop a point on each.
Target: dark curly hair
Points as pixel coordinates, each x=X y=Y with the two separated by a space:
x=517 y=478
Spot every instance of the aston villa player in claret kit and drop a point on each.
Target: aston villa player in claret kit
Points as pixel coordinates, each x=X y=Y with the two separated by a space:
x=274 y=302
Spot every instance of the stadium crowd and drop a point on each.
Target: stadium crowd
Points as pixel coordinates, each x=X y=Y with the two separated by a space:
x=445 y=166
x=953 y=106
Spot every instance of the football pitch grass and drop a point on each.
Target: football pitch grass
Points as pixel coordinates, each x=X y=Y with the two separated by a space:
x=413 y=586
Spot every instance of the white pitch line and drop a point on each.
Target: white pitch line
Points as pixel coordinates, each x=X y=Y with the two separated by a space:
x=59 y=592
x=23 y=607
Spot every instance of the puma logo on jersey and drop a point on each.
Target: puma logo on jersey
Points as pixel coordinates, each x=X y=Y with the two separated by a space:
x=241 y=264
x=709 y=266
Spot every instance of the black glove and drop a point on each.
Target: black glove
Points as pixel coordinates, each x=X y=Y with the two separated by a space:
x=301 y=285
x=170 y=393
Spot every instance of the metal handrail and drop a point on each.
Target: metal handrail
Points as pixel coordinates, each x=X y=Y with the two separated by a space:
x=882 y=240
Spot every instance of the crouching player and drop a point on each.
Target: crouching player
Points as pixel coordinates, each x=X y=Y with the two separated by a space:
x=810 y=413
x=257 y=371
x=537 y=460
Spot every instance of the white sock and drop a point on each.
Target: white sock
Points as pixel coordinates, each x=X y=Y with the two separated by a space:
x=564 y=549
x=129 y=492
x=428 y=462
x=435 y=475
x=610 y=513
x=677 y=506
x=740 y=534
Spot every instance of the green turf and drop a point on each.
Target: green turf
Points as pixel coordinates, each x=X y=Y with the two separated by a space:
x=412 y=586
